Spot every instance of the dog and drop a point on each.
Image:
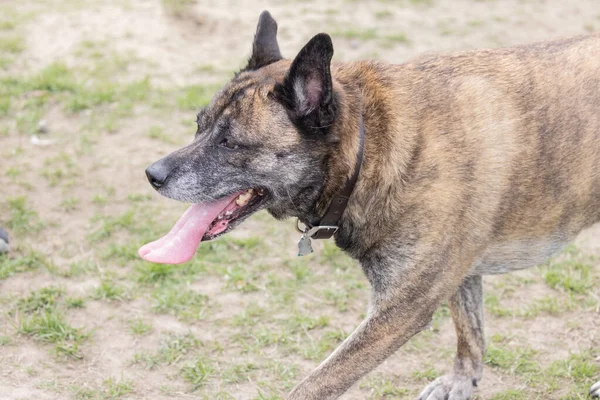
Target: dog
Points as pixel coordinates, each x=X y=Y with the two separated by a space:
x=447 y=168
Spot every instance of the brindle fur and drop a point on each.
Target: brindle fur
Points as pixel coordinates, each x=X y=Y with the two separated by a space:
x=479 y=162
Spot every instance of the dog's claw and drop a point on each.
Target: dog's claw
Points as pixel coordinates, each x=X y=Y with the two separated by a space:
x=595 y=391
x=449 y=387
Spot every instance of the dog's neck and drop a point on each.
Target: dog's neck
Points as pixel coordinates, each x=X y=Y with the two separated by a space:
x=355 y=91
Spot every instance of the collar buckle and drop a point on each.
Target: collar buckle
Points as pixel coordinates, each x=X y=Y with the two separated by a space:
x=317 y=232
x=321 y=231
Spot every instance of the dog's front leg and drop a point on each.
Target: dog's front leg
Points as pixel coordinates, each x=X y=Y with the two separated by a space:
x=467 y=312
x=380 y=334
x=402 y=305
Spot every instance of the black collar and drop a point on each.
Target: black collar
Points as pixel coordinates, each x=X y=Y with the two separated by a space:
x=329 y=223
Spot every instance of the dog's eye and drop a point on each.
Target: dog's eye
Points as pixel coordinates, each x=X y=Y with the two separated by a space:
x=226 y=143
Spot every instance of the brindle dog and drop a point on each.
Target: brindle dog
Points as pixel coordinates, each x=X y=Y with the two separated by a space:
x=478 y=162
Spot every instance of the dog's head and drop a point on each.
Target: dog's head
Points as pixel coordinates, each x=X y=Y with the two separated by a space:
x=262 y=142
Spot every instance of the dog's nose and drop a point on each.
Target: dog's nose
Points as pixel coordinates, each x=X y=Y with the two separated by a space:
x=157 y=174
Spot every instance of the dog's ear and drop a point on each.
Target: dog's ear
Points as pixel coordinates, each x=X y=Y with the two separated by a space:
x=307 y=90
x=265 y=49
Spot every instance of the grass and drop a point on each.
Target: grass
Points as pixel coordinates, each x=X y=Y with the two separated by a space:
x=381 y=388
x=74 y=302
x=173 y=348
x=29 y=261
x=515 y=361
x=22 y=218
x=181 y=302
x=195 y=97
x=40 y=317
x=139 y=327
x=109 y=290
x=511 y=394
x=12 y=44
x=571 y=276
x=50 y=326
x=197 y=373
x=177 y=7
x=366 y=34
x=116 y=388
x=237 y=373
x=40 y=300
x=157 y=133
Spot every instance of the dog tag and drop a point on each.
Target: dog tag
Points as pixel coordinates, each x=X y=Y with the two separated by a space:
x=304 y=246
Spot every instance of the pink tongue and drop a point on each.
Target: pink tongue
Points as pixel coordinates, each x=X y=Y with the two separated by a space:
x=181 y=243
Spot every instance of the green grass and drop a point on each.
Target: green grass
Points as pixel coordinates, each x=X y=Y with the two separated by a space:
x=317 y=349
x=428 y=374
x=74 y=302
x=173 y=348
x=240 y=278
x=382 y=388
x=195 y=97
x=518 y=361
x=110 y=224
x=395 y=38
x=12 y=44
x=54 y=78
x=21 y=217
x=181 y=302
x=116 y=388
x=109 y=290
x=177 y=7
x=91 y=97
x=156 y=132
x=197 y=372
x=40 y=300
x=492 y=305
x=139 y=327
x=571 y=276
x=139 y=197
x=75 y=269
x=238 y=372
x=7 y=25
x=366 y=34
x=5 y=340
x=511 y=394
x=383 y=14
x=578 y=367
x=30 y=261
x=153 y=273
x=70 y=204
x=50 y=326
x=4 y=106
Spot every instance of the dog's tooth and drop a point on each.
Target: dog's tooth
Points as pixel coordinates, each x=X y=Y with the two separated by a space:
x=243 y=198
x=228 y=213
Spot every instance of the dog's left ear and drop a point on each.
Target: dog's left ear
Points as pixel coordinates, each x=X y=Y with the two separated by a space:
x=265 y=49
x=307 y=90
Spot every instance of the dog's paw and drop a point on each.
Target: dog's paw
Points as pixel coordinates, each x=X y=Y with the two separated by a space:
x=449 y=387
x=595 y=391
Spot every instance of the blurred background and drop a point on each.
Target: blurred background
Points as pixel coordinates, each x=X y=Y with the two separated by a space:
x=91 y=92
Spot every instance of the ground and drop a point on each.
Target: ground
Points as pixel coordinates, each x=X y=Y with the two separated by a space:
x=92 y=92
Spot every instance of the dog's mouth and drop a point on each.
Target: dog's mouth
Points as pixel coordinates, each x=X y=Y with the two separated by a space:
x=202 y=222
